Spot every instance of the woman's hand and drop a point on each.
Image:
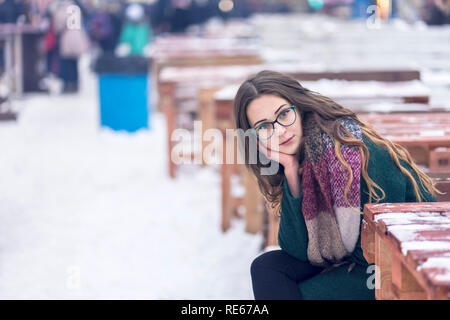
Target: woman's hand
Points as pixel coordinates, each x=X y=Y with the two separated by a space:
x=288 y=161
x=290 y=164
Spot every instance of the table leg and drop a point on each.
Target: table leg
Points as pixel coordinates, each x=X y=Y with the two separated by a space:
x=383 y=290
x=404 y=285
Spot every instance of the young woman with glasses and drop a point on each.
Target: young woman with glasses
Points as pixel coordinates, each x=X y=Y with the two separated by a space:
x=331 y=164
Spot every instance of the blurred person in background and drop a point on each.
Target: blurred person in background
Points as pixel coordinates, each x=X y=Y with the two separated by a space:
x=72 y=40
x=11 y=10
x=50 y=44
x=440 y=13
x=180 y=15
x=408 y=10
x=136 y=34
x=105 y=26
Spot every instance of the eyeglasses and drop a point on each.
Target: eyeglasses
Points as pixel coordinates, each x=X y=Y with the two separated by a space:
x=286 y=118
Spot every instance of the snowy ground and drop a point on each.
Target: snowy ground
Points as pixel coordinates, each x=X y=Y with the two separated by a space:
x=88 y=213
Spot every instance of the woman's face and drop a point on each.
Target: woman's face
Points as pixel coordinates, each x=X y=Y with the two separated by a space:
x=266 y=108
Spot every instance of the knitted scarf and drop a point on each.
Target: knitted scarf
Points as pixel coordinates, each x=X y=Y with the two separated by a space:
x=333 y=226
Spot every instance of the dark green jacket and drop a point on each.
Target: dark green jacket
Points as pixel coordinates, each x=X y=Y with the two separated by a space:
x=293 y=235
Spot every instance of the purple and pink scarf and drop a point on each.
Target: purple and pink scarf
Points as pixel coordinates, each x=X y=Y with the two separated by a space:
x=333 y=226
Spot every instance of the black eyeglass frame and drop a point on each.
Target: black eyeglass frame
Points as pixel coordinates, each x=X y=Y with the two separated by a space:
x=272 y=123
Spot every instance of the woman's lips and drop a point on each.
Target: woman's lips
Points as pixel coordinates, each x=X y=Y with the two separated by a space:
x=287 y=141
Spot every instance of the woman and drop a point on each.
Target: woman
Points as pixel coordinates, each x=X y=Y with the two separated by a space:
x=73 y=42
x=331 y=164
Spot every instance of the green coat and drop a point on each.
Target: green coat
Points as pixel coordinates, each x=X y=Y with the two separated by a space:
x=293 y=235
x=137 y=36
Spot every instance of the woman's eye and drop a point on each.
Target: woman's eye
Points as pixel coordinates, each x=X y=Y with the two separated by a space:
x=285 y=113
x=264 y=126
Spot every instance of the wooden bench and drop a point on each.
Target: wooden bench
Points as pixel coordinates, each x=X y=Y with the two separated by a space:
x=425 y=135
x=410 y=246
x=358 y=94
x=189 y=51
x=195 y=86
x=442 y=180
x=388 y=75
x=6 y=114
x=7 y=75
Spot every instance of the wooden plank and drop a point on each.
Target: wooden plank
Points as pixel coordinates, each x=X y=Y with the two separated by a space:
x=439 y=160
x=8 y=116
x=443 y=186
x=207 y=115
x=368 y=241
x=168 y=107
x=253 y=203
x=383 y=290
x=407 y=236
x=361 y=75
x=226 y=192
x=372 y=209
x=404 y=284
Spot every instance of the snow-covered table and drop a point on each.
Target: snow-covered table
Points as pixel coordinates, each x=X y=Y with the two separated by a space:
x=426 y=135
x=410 y=246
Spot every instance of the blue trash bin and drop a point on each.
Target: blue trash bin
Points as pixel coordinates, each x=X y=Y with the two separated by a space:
x=124 y=93
x=359 y=8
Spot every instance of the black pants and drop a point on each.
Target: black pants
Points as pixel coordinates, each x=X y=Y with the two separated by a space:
x=69 y=73
x=276 y=274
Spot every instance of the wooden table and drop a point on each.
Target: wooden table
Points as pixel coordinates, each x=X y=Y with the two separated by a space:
x=410 y=246
x=191 y=51
x=191 y=90
x=358 y=94
x=425 y=135
x=21 y=54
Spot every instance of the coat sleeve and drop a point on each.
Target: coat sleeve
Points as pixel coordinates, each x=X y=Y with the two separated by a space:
x=292 y=232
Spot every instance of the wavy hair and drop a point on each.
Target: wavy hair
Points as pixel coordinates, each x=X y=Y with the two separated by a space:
x=323 y=110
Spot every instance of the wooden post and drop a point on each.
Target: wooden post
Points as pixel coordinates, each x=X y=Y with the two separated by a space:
x=168 y=105
x=383 y=291
x=253 y=201
x=368 y=241
x=207 y=114
x=404 y=285
x=226 y=187
x=440 y=160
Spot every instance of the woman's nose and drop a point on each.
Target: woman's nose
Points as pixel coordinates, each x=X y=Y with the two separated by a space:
x=279 y=129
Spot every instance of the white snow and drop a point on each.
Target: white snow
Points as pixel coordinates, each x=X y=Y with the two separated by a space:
x=424 y=245
x=90 y=213
x=410 y=232
x=442 y=264
x=407 y=217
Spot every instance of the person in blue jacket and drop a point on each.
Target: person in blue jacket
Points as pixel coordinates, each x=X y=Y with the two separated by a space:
x=330 y=165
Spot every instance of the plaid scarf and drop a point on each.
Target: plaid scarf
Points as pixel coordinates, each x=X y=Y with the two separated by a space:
x=333 y=226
